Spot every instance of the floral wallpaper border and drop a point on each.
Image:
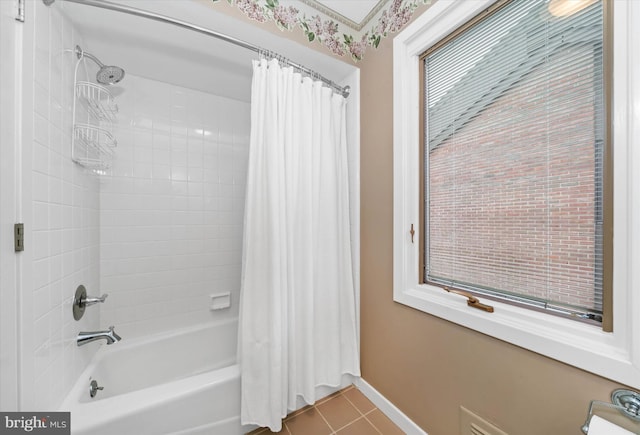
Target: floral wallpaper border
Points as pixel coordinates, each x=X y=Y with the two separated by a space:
x=326 y=31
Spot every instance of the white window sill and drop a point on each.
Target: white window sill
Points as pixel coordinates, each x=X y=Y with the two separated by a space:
x=575 y=343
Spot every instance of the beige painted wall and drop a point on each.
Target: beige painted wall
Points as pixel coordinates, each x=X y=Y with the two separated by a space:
x=429 y=367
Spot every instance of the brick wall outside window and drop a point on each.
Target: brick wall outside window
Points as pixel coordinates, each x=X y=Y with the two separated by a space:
x=513 y=191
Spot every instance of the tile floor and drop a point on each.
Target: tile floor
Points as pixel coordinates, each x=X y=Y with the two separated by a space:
x=346 y=412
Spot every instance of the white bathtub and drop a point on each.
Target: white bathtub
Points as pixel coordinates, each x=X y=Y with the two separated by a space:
x=180 y=382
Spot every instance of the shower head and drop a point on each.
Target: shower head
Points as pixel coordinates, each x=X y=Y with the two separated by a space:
x=107 y=74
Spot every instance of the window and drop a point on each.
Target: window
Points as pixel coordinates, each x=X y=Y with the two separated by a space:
x=612 y=352
x=514 y=142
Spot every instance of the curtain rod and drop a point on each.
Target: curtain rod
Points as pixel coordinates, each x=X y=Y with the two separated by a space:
x=344 y=91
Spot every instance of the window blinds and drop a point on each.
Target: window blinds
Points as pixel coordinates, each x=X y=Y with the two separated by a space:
x=514 y=139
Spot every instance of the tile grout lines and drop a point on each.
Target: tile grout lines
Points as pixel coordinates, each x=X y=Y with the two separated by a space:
x=362 y=415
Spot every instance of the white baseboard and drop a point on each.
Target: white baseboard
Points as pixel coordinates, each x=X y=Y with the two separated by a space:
x=389 y=409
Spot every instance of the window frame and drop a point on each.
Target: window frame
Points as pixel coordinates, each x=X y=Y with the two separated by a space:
x=614 y=355
x=490 y=295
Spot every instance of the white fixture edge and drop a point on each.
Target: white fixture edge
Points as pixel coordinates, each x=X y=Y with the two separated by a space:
x=389 y=409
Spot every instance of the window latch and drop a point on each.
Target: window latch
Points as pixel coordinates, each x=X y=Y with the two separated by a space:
x=472 y=301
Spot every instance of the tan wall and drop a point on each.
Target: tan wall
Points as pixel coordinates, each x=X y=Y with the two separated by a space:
x=426 y=366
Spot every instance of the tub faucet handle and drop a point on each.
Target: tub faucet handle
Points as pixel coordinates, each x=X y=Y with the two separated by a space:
x=90 y=300
x=81 y=301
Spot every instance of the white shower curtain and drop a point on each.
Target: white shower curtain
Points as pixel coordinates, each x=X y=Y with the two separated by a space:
x=297 y=310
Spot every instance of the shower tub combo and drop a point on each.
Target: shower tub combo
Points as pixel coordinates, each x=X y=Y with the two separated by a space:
x=178 y=382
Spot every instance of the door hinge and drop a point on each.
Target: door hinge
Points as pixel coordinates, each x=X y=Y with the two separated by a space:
x=18 y=237
x=20 y=14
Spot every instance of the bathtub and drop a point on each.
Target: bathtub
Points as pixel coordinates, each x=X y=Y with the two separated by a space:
x=179 y=382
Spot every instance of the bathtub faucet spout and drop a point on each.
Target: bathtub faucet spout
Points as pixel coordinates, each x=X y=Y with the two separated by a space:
x=109 y=335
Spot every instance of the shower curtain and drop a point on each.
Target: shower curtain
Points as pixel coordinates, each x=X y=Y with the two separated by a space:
x=297 y=310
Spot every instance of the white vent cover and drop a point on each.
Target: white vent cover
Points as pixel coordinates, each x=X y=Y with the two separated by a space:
x=472 y=424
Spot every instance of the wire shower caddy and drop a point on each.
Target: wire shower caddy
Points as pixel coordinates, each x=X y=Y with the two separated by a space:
x=92 y=143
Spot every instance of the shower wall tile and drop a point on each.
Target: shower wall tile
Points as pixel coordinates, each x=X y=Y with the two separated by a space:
x=172 y=207
x=61 y=216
